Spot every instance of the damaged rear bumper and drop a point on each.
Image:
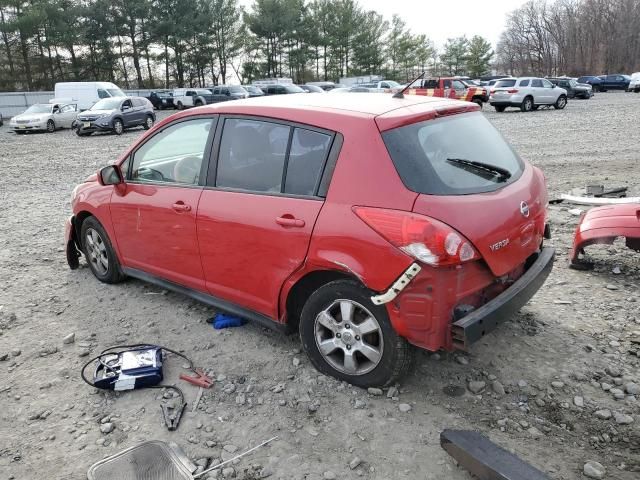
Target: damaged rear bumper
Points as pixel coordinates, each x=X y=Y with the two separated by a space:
x=473 y=326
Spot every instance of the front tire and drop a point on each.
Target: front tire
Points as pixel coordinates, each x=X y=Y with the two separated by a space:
x=51 y=126
x=499 y=108
x=118 y=126
x=148 y=122
x=347 y=337
x=99 y=252
x=561 y=102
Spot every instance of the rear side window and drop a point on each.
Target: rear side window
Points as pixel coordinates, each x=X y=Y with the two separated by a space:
x=263 y=156
x=252 y=155
x=505 y=83
x=524 y=83
x=437 y=157
x=307 y=156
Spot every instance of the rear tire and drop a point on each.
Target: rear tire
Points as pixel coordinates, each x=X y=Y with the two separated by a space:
x=99 y=252
x=527 y=104
x=499 y=108
x=561 y=102
x=341 y=317
x=198 y=103
x=478 y=101
x=180 y=106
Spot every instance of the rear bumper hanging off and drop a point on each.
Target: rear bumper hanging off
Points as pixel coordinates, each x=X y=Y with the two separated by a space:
x=473 y=326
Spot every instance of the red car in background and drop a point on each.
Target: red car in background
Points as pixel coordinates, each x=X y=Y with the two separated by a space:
x=368 y=224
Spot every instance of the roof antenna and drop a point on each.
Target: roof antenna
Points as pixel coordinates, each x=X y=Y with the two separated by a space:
x=400 y=94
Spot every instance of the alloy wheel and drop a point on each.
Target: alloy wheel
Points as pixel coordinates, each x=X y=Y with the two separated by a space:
x=349 y=337
x=118 y=127
x=149 y=122
x=51 y=126
x=96 y=251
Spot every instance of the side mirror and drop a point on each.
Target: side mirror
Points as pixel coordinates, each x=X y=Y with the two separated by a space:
x=110 y=175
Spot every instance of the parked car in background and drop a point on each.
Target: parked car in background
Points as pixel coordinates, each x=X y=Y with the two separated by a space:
x=85 y=94
x=615 y=82
x=592 y=80
x=440 y=244
x=281 y=89
x=1 y=120
x=527 y=94
x=326 y=86
x=45 y=117
x=224 y=93
x=116 y=115
x=634 y=84
x=161 y=99
x=253 y=90
x=191 y=97
x=354 y=89
x=573 y=88
x=382 y=86
x=311 y=89
x=449 y=87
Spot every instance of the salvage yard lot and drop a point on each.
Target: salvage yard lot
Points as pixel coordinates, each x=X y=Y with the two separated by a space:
x=537 y=379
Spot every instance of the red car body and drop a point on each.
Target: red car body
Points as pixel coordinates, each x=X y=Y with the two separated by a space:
x=260 y=256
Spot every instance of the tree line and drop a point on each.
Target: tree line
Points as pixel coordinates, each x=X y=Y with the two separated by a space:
x=571 y=37
x=166 y=43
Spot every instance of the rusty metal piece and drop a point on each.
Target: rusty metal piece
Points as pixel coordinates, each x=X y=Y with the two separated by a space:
x=486 y=460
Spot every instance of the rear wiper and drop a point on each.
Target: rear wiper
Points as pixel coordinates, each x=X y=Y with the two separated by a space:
x=481 y=168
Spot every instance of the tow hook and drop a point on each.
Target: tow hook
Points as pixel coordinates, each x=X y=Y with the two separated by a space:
x=398 y=286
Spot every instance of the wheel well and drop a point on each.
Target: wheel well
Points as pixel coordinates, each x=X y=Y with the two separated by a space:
x=80 y=218
x=302 y=290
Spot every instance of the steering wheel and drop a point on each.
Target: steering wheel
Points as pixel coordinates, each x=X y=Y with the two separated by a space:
x=187 y=170
x=147 y=173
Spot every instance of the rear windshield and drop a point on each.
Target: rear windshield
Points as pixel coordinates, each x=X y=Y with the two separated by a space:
x=505 y=83
x=434 y=157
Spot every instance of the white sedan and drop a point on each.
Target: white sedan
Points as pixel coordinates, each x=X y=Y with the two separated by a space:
x=45 y=116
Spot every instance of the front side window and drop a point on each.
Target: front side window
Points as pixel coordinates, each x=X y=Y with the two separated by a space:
x=252 y=155
x=455 y=155
x=458 y=85
x=103 y=93
x=536 y=82
x=68 y=108
x=174 y=155
x=547 y=83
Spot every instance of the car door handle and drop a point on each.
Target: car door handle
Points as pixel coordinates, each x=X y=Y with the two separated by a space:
x=181 y=207
x=289 y=221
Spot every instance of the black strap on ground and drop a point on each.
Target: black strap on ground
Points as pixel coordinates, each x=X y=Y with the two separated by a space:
x=486 y=460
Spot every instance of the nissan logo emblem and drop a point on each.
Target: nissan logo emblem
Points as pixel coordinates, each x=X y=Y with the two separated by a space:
x=524 y=209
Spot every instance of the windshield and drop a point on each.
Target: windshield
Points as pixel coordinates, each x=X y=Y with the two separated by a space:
x=251 y=89
x=116 y=92
x=505 y=83
x=428 y=155
x=293 y=89
x=392 y=84
x=203 y=92
x=39 y=108
x=107 y=104
x=237 y=89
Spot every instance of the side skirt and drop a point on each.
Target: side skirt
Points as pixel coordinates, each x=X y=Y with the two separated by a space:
x=207 y=299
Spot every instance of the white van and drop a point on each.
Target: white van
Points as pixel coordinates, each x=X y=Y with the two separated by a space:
x=85 y=94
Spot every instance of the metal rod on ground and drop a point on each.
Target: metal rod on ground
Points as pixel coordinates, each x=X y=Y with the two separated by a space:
x=234 y=458
x=198 y=397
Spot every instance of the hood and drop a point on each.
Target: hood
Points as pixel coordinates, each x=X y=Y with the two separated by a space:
x=31 y=116
x=95 y=113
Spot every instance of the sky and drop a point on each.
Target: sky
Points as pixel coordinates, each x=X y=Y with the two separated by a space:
x=442 y=19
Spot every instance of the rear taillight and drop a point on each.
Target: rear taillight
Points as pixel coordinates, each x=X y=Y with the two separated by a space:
x=513 y=90
x=423 y=238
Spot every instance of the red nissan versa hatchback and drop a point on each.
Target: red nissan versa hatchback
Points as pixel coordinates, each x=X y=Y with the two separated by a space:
x=367 y=222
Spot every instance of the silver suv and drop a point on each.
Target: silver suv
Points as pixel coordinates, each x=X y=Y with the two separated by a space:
x=526 y=93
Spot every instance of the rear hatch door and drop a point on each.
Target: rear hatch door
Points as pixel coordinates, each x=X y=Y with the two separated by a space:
x=468 y=177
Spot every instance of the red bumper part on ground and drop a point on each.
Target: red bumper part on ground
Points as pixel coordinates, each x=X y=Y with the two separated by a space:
x=603 y=225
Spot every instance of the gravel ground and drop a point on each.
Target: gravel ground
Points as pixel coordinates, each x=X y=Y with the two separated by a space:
x=543 y=385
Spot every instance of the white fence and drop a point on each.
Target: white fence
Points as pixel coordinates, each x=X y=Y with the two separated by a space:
x=13 y=103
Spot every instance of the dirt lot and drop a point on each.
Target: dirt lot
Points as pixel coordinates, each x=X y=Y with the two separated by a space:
x=543 y=372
